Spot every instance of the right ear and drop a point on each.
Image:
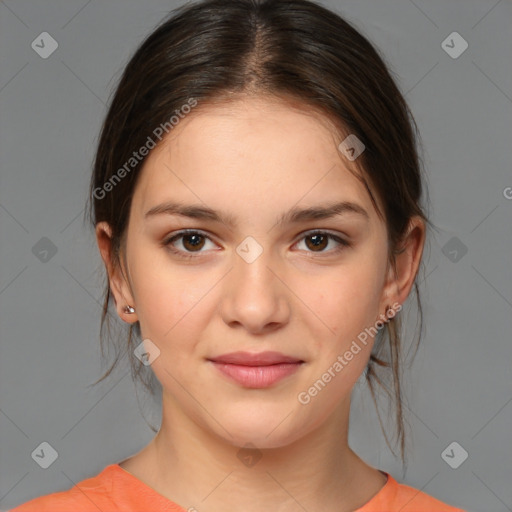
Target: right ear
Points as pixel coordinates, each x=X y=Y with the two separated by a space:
x=118 y=285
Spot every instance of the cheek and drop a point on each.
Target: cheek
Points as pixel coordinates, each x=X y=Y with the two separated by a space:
x=347 y=304
x=168 y=298
x=345 y=301
x=175 y=305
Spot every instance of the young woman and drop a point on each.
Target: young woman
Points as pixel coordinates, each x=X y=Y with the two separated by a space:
x=256 y=200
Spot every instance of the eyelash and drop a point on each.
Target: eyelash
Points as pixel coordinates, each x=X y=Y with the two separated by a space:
x=190 y=255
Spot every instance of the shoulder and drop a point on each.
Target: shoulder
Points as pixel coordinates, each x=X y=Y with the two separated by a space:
x=112 y=490
x=400 y=497
x=89 y=495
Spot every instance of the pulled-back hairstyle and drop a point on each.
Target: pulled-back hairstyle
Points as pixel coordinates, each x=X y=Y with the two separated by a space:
x=293 y=50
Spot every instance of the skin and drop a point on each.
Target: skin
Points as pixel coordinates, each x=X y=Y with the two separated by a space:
x=255 y=159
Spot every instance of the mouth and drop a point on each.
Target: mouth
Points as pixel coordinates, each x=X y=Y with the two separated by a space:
x=259 y=370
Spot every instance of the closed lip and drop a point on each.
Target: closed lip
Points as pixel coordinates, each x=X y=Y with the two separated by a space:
x=255 y=359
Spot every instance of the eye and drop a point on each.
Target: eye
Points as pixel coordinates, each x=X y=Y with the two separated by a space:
x=317 y=241
x=192 y=242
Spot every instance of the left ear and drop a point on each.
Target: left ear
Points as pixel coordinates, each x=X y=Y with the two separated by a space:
x=402 y=274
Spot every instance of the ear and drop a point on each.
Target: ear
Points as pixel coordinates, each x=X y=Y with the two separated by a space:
x=401 y=275
x=118 y=285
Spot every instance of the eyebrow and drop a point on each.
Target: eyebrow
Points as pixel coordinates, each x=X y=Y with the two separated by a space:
x=294 y=215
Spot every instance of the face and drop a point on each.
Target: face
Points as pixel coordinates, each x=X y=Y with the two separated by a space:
x=255 y=272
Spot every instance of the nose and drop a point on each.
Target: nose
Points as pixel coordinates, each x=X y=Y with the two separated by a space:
x=254 y=296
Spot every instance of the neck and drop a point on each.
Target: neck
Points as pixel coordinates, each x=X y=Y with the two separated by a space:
x=195 y=468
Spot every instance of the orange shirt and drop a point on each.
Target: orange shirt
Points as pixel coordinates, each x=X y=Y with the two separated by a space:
x=114 y=489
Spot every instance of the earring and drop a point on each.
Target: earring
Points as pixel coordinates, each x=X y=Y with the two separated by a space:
x=129 y=310
x=388 y=316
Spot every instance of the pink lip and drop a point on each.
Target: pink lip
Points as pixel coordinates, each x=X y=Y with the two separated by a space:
x=256 y=370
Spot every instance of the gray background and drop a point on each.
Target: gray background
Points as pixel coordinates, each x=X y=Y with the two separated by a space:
x=460 y=386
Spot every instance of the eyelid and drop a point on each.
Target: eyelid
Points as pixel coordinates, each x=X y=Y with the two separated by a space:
x=318 y=231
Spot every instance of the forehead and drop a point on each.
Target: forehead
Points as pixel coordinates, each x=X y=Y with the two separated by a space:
x=255 y=148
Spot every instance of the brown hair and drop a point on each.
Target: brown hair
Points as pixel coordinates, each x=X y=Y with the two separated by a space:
x=289 y=49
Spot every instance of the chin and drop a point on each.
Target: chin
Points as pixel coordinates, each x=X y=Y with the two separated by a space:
x=265 y=431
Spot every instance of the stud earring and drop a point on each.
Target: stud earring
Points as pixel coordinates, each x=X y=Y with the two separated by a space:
x=390 y=313
x=129 y=310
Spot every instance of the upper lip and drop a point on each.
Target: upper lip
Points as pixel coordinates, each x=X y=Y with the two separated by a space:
x=255 y=359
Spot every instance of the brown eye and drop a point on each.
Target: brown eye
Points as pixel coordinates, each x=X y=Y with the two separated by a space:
x=191 y=243
x=318 y=242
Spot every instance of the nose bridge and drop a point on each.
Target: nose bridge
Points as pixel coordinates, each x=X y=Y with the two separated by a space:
x=251 y=268
x=254 y=296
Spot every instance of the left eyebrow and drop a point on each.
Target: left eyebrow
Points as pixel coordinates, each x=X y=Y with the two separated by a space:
x=294 y=215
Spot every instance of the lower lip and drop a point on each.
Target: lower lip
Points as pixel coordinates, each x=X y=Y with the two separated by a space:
x=257 y=376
